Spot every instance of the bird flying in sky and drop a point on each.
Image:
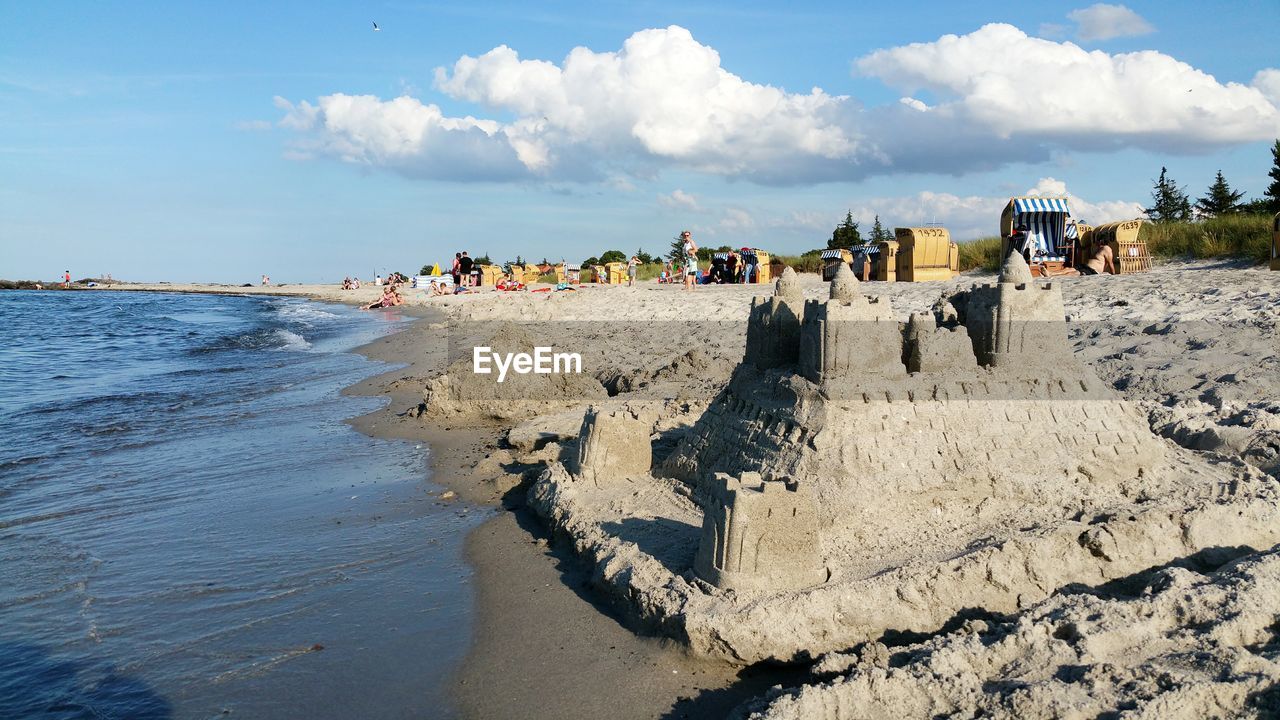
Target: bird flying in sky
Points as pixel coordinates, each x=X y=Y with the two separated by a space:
x=376 y=28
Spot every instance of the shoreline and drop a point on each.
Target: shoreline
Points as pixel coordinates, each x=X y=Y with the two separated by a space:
x=565 y=588
x=571 y=643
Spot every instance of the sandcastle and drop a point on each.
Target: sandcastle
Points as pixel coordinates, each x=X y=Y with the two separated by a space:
x=987 y=391
x=759 y=534
x=860 y=475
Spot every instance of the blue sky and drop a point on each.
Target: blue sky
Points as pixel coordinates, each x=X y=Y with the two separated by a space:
x=216 y=142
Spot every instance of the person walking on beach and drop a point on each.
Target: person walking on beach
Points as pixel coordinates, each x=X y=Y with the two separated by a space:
x=266 y=280
x=690 y=260
x=633 y=267
x=66 y=278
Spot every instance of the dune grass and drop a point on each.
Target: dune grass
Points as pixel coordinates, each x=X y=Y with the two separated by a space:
x=1239 y=236
x=983 y=253
x=809 y=262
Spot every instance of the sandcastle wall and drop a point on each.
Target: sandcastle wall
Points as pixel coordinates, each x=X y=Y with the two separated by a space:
x=994 y=405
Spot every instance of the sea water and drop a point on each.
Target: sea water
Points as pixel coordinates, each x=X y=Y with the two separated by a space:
x=189 y=529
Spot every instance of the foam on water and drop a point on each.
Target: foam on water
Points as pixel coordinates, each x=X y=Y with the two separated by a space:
x=185 y=517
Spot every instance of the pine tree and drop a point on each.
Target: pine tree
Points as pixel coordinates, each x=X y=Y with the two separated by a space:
x=1171 y=203
x=846 y=234
x=1221 y=200
x=878 y=233
x=1272 y=195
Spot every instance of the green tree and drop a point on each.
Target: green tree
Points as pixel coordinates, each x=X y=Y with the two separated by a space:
x=426 y=270
x=1171 y=203
x=519 y=259
x=878 y=233
x=483 y=260
x=1221 y=200
x=1272 y=194
x=593 y=260
x=1256 y=206
x=643 y=256
x=846 y=234
x=609 y=256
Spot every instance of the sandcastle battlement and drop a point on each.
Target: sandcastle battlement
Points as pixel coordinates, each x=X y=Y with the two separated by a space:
x=1012 y=323
x=984 y=392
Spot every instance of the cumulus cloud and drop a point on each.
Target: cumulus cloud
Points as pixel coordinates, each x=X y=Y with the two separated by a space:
x=1056 y=96
x=972 y=216
x=664 y=101
x=1267 y=82
x=1101 y=21
x=680 y=200
x=663 y=96
x=405 y=135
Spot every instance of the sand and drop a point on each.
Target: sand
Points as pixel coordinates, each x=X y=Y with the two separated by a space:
x=1191 y=347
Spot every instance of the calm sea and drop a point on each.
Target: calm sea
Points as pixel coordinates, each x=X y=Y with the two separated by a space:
x=188 y=529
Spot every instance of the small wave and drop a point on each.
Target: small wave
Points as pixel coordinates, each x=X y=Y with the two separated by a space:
x=303 y=314
x=259 y=339
x=292 y=340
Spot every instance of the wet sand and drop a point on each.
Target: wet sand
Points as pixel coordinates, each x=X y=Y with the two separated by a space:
x=543 y=646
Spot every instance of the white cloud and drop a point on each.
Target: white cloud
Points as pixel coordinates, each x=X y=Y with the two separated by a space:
x=1101 y=21
x=1056 y=96
x=1092 y=213
x=680 y=200
x=973 y=216
x=737 y=220
x=405 y=135
x=1267 y=82
x=663 y=101
x=663 y=96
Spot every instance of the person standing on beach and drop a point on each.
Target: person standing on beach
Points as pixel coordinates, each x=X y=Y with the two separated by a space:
x=66 y=278
x=465 y=263
x=690 y=260
x=633 y=266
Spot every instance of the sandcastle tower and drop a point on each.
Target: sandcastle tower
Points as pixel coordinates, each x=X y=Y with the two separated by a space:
x=933 y=349
x=1016 y=323
x=614 y=443
x=773 y=331
x=849 y=334
x=760 y=536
